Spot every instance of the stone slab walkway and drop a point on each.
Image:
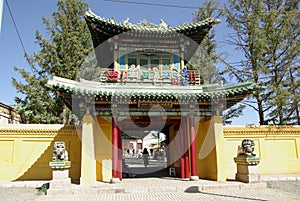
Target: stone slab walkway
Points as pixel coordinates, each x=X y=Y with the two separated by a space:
x=158 y=189
x=165 y=189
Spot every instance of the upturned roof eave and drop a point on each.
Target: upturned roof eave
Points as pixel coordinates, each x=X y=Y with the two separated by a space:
x=85 y=87
x=93 y=18
x=102 y=29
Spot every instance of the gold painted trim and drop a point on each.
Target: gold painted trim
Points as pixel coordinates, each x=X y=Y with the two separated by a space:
x=230 y=131
x=39 y=129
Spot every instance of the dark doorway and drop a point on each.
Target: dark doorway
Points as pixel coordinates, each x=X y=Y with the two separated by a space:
x=134 y=168
x=133 y=164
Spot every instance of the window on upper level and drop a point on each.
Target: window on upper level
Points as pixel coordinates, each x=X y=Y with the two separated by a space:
x=144 y=64
x=166 y=63
x=154 y=62
x=132 y=60
x=160 y=62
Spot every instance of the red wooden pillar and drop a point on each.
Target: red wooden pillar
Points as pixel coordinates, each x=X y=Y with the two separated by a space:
x=193 y=148
x=115 y=154
x=186 y=154
x=120 y=154
x=182 y=153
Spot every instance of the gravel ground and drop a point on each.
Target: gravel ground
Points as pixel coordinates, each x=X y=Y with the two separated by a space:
x=287 y=186
x=30 y=193
x=18 y=193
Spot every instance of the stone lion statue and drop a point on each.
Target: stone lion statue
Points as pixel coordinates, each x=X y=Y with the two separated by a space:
x=247 y=148
x=59 y=152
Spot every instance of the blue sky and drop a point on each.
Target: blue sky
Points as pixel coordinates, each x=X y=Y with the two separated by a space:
x=27 y=15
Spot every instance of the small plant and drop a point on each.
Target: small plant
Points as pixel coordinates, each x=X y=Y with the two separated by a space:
x=269 y=185
x=43 y=189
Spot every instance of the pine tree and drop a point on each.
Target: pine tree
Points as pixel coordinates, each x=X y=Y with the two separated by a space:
x=205 y=58
x=282 y=29
x=61 y=53
x=267 y=32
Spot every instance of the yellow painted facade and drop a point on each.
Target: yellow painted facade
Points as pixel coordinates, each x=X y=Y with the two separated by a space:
x=103 y=150
x=277 y=146
x=26 y=150
x=96 y=164
x=210 y=146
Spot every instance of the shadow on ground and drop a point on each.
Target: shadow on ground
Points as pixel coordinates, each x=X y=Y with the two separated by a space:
x=195 y=189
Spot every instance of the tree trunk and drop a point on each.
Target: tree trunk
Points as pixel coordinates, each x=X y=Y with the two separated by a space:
x=260 y=109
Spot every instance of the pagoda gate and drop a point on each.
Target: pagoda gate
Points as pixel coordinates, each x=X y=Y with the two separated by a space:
x=143 y=84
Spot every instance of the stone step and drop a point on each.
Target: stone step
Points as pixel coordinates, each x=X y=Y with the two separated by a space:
x=81 y=190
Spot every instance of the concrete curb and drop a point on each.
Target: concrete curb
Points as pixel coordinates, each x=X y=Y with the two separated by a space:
x=24 y=184
x=280 y=177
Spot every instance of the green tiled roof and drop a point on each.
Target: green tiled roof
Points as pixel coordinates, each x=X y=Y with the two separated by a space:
x=203 y=93
x=102 y=29
x=148 y=27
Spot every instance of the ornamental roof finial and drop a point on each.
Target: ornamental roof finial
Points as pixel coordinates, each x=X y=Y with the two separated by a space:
x=163 y=24
x=126 y=21
x=112 y=20
x=145 y=22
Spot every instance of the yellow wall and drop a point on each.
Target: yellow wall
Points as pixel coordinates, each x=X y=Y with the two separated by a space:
x=26 y=150
x=96 y=164
x=103 y=149
x=209 y=149
x=277 y=146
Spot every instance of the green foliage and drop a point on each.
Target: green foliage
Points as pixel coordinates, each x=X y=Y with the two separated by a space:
x=90 y=70
x=232 y=113
x=43 y=189
x=205 y=58
x=282 y=27
x=267 y=33
x=61 y=53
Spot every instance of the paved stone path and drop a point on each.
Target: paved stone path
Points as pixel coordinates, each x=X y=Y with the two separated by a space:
x=152 y=189
x=160 y=189
x=274 y=188
x=209 y=194
x=18 y=193
x=180 y=196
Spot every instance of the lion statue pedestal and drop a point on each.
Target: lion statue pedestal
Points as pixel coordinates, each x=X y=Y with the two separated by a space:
x=60 y=166
x=247 y=163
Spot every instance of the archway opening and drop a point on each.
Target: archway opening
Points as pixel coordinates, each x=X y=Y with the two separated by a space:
x=155 y=162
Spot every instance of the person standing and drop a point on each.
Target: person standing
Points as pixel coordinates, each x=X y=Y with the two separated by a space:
x=151 y=152
x=146 y=157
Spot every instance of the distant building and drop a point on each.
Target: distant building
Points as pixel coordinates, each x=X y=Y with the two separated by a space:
x=8 y=115
x=150 y=141
x=135 y=144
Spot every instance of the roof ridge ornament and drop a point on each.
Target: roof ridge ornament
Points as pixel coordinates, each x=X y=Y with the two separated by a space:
x=126 y=21
x=144 y=22
x=112 y=20
x=163 y=24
